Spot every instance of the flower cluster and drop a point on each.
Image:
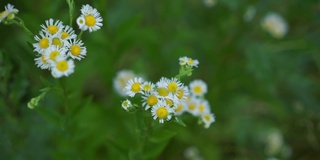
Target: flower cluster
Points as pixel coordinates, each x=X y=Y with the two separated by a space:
x=169 y=97
x=58 y=46
x=8 y=13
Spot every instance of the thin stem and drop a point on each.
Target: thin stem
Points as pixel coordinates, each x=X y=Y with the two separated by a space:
x=80 y=34
x=20 y=23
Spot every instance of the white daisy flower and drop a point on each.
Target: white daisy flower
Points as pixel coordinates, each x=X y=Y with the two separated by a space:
x=203 y=107
x=148 y=87
x=53 y=52
x=191 y=106
x=89 y=19
x=162 y=112
x=76 y=50
x=62 y=67
x=120 y=81
x=207 y=118
x=9 y=9
x=180 y=108
x=162 y=86
x=52 y=27
x=41 y=62
x=275 y=25
x=183 y=60
x=198 y=87
x=134 y=86
x=150 y=99
x=56 y=40
x=173 y=85
x=67 y=33
x=182 y=93
x=192 y=62
x=43 y=42
x=126 y=104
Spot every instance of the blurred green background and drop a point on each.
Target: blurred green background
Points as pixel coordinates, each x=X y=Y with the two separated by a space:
x=264 y=91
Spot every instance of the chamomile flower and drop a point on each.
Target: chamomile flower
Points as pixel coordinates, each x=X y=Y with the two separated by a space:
x=173 y=85
x=52 y=27
x=198 y=87
x=67 y=33
x=134 y=86
x=150 y=99
x=62 y=67
x=76 y=50
x=275 y=25
x=207 y=118
x=183 y=60
x=162 y=86
x=121 y=79
x=148 y=87
x=43 y=42
x=182 y=93
x=126 y=104
x=191 y=106
x=89 y=19
x=180 y=109
x=56 y=40
x=9 y=10
x=203 y=107
x=41 y=62
x=192 y=62
x=162 y=112
x=53 y=52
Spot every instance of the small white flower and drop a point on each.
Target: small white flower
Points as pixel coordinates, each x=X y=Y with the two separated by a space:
x=162 y=112
x=52 y=27
x=150 y=99
x=76 y=50
x=180 y=108
x=62 y=67
x=203 y=107
x=53 y=52
x=126 y=104
x=148 y=87
x=207 y=118
x=183 y=60
x=275 y=25
x=41 y=62
x=89 y=19
x=120 y=81
x=198 y=87
x=43 y=42
x=134 y=86
x=9 y=9
x=67 y=33
x=193 y=62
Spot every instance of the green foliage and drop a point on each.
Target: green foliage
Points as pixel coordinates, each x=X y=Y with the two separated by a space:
x=258 y=86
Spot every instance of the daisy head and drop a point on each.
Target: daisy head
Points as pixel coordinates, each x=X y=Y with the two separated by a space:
x=275 y=25
x=150 y=99
x=126 y=104
x=198 y=87
x=173 y=85
x=162 y=88
x=186 y=61
x=180 y=109
x=120 y=81
x=62 y=67
x=148 y=87
x=134 y=86
x=41 y=62
x=207 y=118
x=162 y=112
x=9 y=12
x=76 y=50
x=43 y=42
x=191 y=106
x=52 y=27
x=89 y=19
x=203 y=107
x=67 y=33
x=53 y=52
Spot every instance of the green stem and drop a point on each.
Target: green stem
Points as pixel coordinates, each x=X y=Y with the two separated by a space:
x=65 y=109
x=20 y=23
x=71 y=11
x=80 y=34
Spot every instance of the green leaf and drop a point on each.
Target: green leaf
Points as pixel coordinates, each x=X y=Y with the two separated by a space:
x=180 y=122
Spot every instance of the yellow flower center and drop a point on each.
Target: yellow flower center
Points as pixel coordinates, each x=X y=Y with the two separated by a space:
x=62 y=65
x=180 y=93
x=75 y=50
x=64 y=35
x=90 y=20
x=201 y=108
x=135 y=87
x=126 y=103
x=191 y=107
x=197 y=89
x=179 y=108
x=2 y=14
x=44 y=43
x=207 y=117
x=172 y=87
x=147 y=87
x=163 y=92
x=169 y=102
x=53 y=55
x=190 y=61
x=162 y=112
x=53 y=29
x=152 y=100
x=57 y=42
